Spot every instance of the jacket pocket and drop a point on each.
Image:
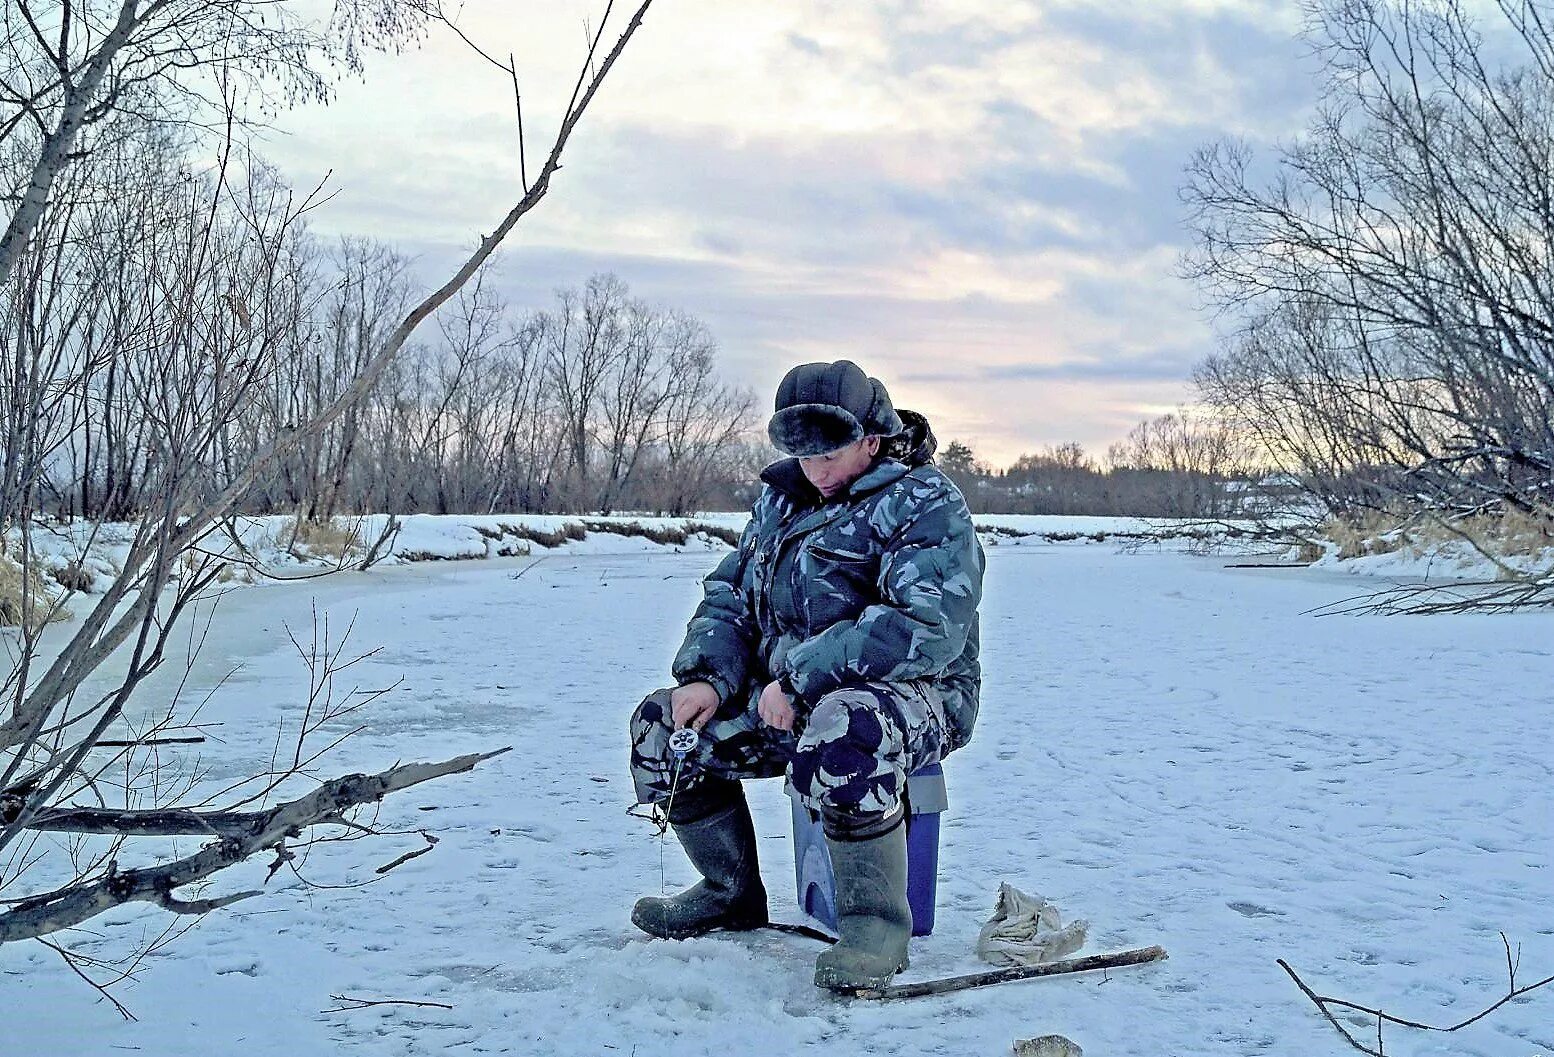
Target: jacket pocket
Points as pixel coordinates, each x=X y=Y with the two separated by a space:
x=836 y=554
x=834 y=584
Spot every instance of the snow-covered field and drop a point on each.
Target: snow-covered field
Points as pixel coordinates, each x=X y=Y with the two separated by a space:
x=1171 y=749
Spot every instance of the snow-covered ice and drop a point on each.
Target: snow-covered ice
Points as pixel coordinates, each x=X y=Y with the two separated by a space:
x=1178 y=752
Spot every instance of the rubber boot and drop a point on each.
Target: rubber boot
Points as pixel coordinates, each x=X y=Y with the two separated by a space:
x=713 y=824
x=873 y=916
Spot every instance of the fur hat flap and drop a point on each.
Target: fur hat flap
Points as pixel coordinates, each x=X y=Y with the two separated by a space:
x=803 y=430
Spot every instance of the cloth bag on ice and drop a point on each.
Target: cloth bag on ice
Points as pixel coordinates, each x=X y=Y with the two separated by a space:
x=1026 y=930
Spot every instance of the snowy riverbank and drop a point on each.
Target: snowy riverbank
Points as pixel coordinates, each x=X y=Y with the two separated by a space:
x=265 y=549
x=274 y=545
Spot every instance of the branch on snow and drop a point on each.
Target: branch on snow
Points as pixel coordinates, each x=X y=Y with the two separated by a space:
x=1326 y=1005
x=173 y=822
x=76 y=903
x=1435 y=599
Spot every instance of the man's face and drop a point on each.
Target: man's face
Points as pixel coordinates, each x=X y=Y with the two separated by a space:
x=835 y=470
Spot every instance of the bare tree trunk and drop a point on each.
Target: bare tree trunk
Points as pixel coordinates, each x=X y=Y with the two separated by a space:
x=80 y=93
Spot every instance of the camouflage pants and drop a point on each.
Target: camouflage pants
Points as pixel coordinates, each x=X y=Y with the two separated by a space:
x=852 y=751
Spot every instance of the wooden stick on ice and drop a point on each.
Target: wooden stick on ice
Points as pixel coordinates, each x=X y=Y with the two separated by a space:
x=1086 y=964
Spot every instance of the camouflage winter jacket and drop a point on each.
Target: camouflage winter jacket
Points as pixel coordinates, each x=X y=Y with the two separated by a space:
x=879 y=584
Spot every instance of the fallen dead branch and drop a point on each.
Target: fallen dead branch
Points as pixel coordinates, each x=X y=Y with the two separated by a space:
x=1326 y=1004
x=1435 y=599
x=349 y=1004
x=53 y=911
x=431 y=842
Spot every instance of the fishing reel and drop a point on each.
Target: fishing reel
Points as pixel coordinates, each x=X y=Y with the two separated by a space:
x=683 y=742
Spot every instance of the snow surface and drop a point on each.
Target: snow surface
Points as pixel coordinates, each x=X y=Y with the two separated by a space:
x=1176 y=751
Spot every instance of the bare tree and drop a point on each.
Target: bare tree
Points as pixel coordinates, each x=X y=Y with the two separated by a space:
x=72 y=66
x=632 y=400
x=367 y=291
x=584 y=340
x=486 y=375
x=704 y=421
x=210 y=314
x=1393 y=280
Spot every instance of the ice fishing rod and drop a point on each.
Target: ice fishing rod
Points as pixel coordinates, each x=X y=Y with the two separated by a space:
x=682 y=743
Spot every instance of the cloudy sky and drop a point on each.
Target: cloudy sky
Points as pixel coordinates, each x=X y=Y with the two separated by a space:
x=974 y=199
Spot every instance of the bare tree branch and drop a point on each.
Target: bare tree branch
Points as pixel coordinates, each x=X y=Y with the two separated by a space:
x=1326 y=1004
x=78 y=903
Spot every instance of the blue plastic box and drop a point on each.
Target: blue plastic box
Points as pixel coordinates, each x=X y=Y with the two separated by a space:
x=927 y=798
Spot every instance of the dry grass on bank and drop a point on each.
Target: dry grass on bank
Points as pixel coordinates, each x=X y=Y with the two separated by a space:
x=326 y=539
x=35 y=605
x=667 y=535
x=574 y=531
x=1510 y=534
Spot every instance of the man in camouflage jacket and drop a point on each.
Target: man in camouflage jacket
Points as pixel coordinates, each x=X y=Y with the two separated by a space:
x=838 y=644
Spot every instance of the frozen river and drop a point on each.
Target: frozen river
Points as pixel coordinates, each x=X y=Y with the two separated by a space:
x=1176 y=751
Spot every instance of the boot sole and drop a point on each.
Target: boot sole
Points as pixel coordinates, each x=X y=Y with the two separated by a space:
x=832 y=980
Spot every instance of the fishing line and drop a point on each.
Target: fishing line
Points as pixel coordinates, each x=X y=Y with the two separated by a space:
x=681 y=744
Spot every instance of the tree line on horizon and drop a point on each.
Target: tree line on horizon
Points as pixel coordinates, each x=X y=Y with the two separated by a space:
x=149 y=277
x=1390 y=370
x=150 y=274
x=1179 y=465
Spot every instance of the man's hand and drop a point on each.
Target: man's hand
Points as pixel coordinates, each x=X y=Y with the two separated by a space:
x=775 y=708
x=692 y=705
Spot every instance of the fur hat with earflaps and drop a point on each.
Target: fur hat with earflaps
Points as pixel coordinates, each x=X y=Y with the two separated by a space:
x=821 y=407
